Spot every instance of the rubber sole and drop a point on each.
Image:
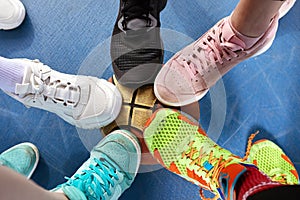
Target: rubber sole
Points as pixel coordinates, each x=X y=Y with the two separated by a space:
x=19 y=6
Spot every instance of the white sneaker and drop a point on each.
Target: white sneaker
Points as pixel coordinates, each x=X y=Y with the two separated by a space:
x=84 y=101
x=12 y=14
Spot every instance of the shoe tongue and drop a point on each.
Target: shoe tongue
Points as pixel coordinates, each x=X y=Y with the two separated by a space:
x=228 y=35
x=136 y=24
x=228 y=178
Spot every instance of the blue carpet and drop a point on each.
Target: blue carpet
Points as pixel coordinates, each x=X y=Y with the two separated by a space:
x=73 y=37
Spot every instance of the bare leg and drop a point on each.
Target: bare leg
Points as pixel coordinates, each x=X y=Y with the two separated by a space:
x=252 y=17
x=14 y=186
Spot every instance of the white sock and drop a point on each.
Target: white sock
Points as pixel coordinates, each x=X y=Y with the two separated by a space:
x=11 y=72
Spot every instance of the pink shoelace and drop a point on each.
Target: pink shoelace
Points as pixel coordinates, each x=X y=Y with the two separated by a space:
x=209 y=51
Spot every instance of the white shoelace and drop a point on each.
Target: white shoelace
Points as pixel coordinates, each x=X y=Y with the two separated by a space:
x=66 y=94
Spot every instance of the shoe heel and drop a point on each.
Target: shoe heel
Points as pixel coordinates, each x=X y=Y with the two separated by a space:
x=265 y=48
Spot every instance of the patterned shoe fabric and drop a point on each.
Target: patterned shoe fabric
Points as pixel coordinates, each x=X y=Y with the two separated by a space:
x=189 y=74
x=270 y=159
x=22 y=158
x=110 y=170
x=181 y=146
x=136 y=45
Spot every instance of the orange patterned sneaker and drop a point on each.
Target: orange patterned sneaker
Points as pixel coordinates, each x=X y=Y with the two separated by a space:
x=270 y=159
x=181 y=146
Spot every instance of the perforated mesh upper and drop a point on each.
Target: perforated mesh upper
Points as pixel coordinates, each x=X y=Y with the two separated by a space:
x=171 y=136
x=270 y=159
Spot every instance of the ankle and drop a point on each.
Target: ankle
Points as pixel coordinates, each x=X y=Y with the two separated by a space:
x=248 y=40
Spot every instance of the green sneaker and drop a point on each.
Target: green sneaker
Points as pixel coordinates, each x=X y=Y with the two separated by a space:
x=181 y=146
x=110 y=170
x=22 y=158
x=270 y=159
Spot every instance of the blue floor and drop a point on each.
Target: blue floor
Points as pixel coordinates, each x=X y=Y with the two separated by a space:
x=73 y=37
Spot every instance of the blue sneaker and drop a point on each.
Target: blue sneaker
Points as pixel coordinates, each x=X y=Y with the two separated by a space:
x=22 y=158
x=110 y=170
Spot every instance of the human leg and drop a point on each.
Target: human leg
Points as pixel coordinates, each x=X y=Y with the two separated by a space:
x=252 y=17
x=13 y=186
x=84 y=101
x=188 y=75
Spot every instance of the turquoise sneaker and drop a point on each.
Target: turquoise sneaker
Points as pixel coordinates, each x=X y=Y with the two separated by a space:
x=22 y=158
x=110 y=170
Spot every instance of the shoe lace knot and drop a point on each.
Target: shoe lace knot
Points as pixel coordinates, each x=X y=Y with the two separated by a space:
x=59 y=91
x=132 y=9
x=281 y=178
x=207 y=52
x=212 y=160
x=206 y=160
x=98 y=180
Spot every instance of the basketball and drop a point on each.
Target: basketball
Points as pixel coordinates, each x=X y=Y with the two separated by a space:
x=138 y=106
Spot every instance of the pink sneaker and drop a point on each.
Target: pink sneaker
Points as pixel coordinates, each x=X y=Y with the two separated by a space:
x=188 y=75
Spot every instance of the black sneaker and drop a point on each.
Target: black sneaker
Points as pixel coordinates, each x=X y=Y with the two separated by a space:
x=136 y=46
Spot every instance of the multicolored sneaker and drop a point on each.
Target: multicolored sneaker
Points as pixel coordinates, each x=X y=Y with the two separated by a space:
x=270 y=159
x=110 y=170
x=136 y=46
x=22 y=158
x=189 y=74
x=84 y=101
x=181 y=146
x=12 y=14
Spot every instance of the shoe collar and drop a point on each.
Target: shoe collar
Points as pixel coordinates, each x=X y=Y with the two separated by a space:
x=228 y=179
x=137 y=24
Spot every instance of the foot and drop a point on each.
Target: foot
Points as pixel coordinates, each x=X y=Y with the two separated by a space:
x=188 y=75
x=84 y=101
x=110 y=170
x=136 y=46
x=12 y=14
x=22 y=158
x=270 y=159
x=181 y=146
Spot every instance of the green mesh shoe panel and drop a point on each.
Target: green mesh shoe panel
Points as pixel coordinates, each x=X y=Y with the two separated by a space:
x=270 y=159
x=172 y=136
x=177 y=141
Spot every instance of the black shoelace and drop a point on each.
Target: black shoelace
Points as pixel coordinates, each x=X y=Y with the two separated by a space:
x=133 y=9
